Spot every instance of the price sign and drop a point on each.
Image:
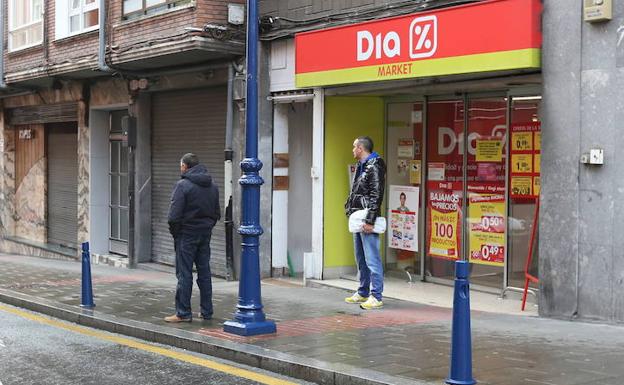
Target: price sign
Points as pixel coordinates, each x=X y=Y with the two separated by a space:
x=443 y=234
x=536 y=185
x=522 y=163
x=521 y=186
x=492 y=224
x=525 y=159
x=487 y=228
x=489 y=253
x=522 y=141
x=537 y=160
x=537 y=141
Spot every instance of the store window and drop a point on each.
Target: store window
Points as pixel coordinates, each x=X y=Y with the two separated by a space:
x=25 y=23
x=76 y=16
x=404 y=151
x=445 y=186
x=137 y=8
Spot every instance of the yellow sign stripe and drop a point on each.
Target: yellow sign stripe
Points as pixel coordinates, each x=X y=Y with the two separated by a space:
x=486 y=62
x=228 y=369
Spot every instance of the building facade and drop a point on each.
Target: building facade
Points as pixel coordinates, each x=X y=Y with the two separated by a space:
x=79 y=77
x=456 y=96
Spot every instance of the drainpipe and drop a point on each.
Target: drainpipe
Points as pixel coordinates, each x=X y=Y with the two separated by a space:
x=2 y=25
x=102 y=66
x=229 y=154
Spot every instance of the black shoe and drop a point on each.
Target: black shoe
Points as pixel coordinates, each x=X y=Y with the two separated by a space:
x=204 y=317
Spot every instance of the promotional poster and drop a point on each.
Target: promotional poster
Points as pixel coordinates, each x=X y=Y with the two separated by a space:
x=403 y=204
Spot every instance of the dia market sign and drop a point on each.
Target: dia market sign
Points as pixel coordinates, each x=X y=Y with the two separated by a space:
x=495 y=35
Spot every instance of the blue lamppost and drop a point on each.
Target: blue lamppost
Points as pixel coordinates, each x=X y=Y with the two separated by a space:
x=249 y=318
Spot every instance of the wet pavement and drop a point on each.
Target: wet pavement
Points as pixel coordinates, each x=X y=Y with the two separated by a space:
x=33 y=352
x=404 y=340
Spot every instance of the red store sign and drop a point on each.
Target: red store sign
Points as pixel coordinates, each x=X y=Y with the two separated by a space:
x=494 y=35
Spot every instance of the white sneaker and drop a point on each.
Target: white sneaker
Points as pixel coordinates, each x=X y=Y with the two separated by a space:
x=371 y=304
x=356 y=298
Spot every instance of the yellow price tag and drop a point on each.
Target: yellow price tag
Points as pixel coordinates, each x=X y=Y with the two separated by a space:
x=521 y=185
x=536 y=185
x=537 y=141
x=522 y=141
x=537 y=162
x=522 y=163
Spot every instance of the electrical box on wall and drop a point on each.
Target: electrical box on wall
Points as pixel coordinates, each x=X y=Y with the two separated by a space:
x=597 y=10
x=595 y=156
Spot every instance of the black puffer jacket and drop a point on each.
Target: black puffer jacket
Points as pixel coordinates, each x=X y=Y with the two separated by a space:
x=368 y=189
x=194 y=205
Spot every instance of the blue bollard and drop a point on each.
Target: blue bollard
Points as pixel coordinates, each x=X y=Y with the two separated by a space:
x=87 y=289
x=460 y=372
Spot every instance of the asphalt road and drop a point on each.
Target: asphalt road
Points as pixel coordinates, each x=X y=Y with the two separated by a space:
x=36 y=349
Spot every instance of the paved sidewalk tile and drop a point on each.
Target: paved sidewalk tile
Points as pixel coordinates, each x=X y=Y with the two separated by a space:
x=404 y=339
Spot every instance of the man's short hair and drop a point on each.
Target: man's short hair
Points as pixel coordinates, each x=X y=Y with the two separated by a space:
x=190 y=160
x=366 y=142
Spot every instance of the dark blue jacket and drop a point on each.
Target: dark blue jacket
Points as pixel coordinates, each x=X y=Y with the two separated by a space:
x=194 y=203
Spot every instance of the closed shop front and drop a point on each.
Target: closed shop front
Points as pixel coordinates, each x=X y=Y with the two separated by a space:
x=62 y=150
x=46 y=173
x=186 y=121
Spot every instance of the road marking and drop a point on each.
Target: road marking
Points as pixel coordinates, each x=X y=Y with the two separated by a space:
x=228 y=369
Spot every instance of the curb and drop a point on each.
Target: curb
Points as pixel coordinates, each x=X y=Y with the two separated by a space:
x=282 y=363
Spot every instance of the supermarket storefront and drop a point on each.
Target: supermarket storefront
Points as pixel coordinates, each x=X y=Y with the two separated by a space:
x=452 y=100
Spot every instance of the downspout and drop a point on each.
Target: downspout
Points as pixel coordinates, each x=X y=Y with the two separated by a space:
x=229 y=154
x=102 y=66
x=2 y=25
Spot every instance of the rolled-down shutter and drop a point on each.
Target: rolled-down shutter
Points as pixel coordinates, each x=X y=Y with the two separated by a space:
x=186 y=121
x=44 y=113
x=62 y=223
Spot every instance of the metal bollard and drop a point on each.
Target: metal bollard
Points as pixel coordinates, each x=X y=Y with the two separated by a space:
x=87 y=289
x=460 y=372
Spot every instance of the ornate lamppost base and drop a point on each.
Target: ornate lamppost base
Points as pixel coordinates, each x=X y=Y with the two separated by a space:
x=249 y=329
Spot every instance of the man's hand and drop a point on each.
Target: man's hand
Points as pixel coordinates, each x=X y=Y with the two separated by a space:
x=367 y=228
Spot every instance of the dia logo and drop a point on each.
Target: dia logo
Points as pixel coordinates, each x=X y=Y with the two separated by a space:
x=423 y=37
x=423 y=41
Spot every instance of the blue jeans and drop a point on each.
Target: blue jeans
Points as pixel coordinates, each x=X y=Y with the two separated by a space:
x=193 y=249
x=368 y=261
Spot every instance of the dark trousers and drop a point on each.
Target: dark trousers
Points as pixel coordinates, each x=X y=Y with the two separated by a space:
x=193 y=249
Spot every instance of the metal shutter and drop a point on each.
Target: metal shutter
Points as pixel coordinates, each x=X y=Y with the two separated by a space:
x=62 y=224
x=45 y=113
x=186 y=121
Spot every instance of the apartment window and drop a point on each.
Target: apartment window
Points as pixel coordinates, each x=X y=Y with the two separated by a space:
x=25 y=23
x=83 y=15
x=76 y=16
x=137 y=8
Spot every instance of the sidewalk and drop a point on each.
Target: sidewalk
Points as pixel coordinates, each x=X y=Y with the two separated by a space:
x=320 y=338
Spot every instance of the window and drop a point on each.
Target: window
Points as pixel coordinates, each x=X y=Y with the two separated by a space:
x=83 y=15
x=25 y=23
x=136 y=8
x=76 y=16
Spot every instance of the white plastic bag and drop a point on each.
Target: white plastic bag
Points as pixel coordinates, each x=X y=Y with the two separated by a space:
x=356 y=221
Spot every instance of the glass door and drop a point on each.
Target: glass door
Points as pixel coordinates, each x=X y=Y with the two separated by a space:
x=525 y=149
x=404 y=156
x=118 y=186
x=445 y=186
x=486 y=227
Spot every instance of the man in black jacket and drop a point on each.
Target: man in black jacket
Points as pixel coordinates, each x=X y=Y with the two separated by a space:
x=193 y=213
x=367 y=193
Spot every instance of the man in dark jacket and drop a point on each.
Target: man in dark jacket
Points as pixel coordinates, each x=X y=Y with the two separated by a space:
x=367 y=193
x=193 y=213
